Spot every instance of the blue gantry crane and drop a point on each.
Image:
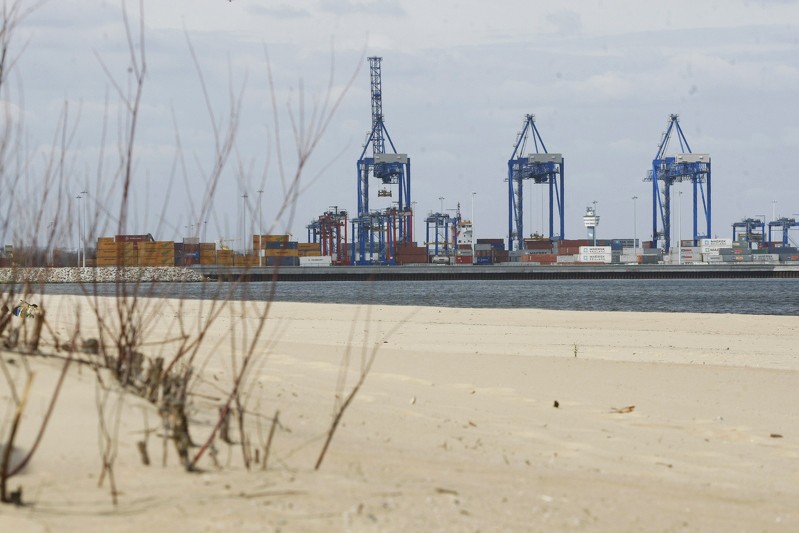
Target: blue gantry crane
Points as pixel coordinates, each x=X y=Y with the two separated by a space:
x=750 y=230
x=783 y=224
x=668 y=170
x=380 y=231
x=444 y=240
x=541 y=168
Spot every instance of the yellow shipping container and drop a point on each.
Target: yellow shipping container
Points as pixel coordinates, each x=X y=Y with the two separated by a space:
x=308 y=246
x=118 y=251
x=155 y=262
x=157 y=246
x=282 y=252
x=158 y=251
x=246 y=260
x=276 y=238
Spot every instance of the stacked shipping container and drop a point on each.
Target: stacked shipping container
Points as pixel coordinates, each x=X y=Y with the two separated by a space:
x=112 y=253
x=410 y=255
x=161 y=253
x=278 y=250
x=207 y=253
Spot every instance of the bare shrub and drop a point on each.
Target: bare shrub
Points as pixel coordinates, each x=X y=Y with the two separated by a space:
x=118 y=346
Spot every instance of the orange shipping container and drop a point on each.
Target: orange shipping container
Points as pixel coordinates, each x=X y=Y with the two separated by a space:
x=539 y=258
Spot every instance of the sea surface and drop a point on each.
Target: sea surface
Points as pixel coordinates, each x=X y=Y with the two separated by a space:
x=739 y=296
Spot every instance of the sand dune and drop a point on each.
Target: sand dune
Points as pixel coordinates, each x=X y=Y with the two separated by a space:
x=455 y=428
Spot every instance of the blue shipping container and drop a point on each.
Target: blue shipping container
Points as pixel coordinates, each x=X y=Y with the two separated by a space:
x=282 y=261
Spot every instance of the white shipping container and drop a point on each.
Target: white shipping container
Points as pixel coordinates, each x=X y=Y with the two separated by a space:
x=632 y=251
x=711 y=258
x=718 y=243
x=766 y=258
x=319 y=260
x=711 y=249
x=596 y=258
x=566 y=259
x=685 y=252
x=627 y=258
x=591 y=250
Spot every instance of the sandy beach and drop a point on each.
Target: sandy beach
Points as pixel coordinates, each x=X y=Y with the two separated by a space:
x=469 y=420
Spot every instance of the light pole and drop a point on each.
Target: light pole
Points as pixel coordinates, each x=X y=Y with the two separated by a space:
x=773 y=210
x=594 y=202
x=679 y=228
x=473 y=233
x=441 y=199
x=260 y=222
x=85 y=195
x=244 y=222
x=635 y=225
x=80 y=228
x=531 y=214
x=413 y=214
x=260 y=212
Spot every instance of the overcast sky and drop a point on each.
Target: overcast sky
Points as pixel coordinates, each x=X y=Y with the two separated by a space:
x=601 y=78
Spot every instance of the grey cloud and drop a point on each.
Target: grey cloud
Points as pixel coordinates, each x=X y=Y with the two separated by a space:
x=567 y=22
x=280 y=12
x=349 y=7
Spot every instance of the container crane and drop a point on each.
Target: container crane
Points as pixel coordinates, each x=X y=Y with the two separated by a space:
x=541 y=168
x=330 y=231
x=444 y=240
x=668 y=170
x=391 y=169
x=784 y=224
x=754 y=231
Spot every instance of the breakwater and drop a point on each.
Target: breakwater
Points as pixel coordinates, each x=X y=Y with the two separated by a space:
x=98 y=275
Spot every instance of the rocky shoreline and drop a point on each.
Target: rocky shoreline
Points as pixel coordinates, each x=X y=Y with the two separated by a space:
x=98 y=274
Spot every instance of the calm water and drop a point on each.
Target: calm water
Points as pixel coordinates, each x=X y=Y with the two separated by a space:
x=740 y=296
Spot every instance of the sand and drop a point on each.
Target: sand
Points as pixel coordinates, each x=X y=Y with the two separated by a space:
x=456 y=427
